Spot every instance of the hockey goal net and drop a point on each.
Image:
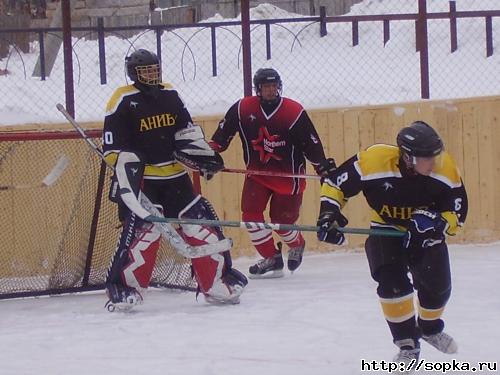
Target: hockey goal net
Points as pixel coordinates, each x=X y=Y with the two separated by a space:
x=61 y=238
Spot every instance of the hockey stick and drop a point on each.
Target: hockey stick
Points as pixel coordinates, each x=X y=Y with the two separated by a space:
x=275 y=226
x=270 y=173
x=145 y=209
x=49 y=180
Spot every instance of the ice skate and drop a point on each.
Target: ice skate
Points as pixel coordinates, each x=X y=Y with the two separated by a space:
x=442 y=342
x=268 y=268
x=295 y=257
x=122 y=298
x=228 y=291
x=407 y=358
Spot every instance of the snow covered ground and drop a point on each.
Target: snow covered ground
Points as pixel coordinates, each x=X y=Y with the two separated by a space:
x=318 y=72
x=320 y=321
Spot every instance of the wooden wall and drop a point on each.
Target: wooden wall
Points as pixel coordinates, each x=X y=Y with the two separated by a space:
x=469 y=127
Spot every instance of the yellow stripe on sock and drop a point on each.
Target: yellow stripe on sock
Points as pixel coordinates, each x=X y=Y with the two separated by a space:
x=430 y=314
x=397 y=310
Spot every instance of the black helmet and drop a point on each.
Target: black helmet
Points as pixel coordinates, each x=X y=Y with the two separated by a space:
x=141 y=67
x=266 y=75
x=419 y=140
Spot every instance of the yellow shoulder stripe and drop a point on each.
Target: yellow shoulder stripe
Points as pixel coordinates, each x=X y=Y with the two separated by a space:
x=378 y=161
x=111 y=157
x=118 y=96
x=166 y=85
x=447 y=171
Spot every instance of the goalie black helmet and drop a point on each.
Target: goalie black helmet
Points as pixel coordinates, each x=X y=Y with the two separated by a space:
x=143 y=66
x=419 y=139
x=266 y=75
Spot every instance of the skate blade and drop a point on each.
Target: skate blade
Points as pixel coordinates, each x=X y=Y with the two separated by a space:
x=221 y=302
x=268 y=275
x=119 y=307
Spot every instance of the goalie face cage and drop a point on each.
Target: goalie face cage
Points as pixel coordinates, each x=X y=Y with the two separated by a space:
x=61 y=238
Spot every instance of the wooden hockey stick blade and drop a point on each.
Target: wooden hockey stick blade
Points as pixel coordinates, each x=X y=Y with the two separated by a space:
x=274 y=226
x=56 y=172
x=49 y=180
x=270 y=173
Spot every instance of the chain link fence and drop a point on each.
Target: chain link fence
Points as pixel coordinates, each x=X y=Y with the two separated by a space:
x=368 y=56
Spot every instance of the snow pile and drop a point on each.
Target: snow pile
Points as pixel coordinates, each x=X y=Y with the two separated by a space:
x=318 y=72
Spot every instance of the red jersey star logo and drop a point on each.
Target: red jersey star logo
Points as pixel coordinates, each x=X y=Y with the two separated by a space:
x=265 y=144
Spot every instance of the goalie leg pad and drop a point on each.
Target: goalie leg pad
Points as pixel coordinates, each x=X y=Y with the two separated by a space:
x=216 y=279
x=218 y=283
x=142 y=256
x=134 y=259
x=196 y=235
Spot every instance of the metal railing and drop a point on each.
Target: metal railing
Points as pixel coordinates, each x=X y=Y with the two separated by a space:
x=355 y=59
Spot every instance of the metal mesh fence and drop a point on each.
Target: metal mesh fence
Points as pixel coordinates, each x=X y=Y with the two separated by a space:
x=368 y=56
x=466 y=68
x=62 y=237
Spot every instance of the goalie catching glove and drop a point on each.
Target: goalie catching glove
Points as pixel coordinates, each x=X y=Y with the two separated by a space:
x=426 y=229
x=192 y=150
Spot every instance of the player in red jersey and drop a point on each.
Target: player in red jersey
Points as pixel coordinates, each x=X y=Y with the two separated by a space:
x=277 y=135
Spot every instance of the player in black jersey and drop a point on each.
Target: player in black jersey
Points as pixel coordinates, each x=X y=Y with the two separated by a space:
x=147 y=131
x=415 y=187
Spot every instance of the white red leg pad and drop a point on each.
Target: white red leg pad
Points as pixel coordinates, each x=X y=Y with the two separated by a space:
x=142 y=255
x=207 y=271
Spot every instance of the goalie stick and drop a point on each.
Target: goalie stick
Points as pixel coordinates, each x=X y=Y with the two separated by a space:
x=49 y=180
x=146 y=210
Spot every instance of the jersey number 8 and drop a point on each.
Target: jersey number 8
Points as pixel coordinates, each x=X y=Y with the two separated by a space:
x=342 y=178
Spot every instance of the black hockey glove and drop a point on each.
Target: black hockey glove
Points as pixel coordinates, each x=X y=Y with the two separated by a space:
x=206 y=165
x=326 y=167
x=208 y=169
x=328 y=222
x=426 y=229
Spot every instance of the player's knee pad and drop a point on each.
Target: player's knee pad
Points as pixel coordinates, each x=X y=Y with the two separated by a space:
x=434 y=299
x=135 y=255
x=393 y=281
x=200 y=208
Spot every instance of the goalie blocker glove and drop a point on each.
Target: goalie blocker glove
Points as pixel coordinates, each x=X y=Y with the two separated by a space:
x=192 y=150
x=426 y=229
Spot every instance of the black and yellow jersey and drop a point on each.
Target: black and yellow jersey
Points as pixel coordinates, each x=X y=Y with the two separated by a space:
x=392 y=193
x=146 y=124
